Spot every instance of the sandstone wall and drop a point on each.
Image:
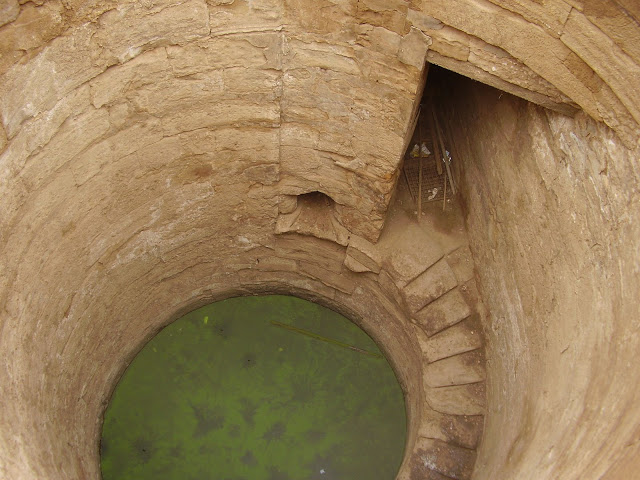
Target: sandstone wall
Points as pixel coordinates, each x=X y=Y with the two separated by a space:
x=554 y=220
x=150 y=151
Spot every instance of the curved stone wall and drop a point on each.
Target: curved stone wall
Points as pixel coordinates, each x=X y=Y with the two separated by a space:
x=553 y=207
x=151 y=152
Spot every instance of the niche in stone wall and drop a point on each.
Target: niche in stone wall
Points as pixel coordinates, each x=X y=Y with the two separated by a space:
x=311 y=213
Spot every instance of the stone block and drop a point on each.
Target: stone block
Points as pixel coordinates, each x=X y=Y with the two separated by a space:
x=458 y=400
x=74 y=137
x=419 y=471
x=462 y=430
x=287 y=204
x=611 y=18
x=451 y=43
x=111 y=85
x=9 y=11
x=318 y=172
x=446 y=459
x=409 y=251
x=493 y=24
x=354 y=265
x=606 y=58
x=390 y=14
x=233 y=18
x=276 y=264
x=462 y=337
x=362 y=255
x=423 y=21
x=460 y=369
x=389 y=74
x=322 y=253
x=430 y=285
x=386 y=148
x=339 y=281
x=127 y=31
x=388 y=285
x=471 y=70
x=461 y=262
x=242 y=80
x=30 y=88
x=30 y=27
x=267 y=174
x=378 y=38
x=3 y=138
x=443 y=312
x=413 y=48
x=497 y=62
x=209 y=112
x=323 y=56
x=217 y=53
x=550 y=15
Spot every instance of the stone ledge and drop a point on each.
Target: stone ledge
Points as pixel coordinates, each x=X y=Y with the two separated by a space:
x=335 y=280
x=462 y=369
x=458 y=400
x=407 y=248
x=362 y=256
x=462 y=430
x=462 y=337
x=430 y=285
x=446 y=459
x=443 y=312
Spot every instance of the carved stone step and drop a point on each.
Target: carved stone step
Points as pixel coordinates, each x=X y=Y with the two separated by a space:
x=458 y=400
x=429 y=285
x=462 y=337
x=462 y=430
x=446 y=459
x=443 y=312
x=457 y=370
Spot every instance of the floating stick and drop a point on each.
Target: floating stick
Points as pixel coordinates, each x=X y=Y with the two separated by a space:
x=324 y=339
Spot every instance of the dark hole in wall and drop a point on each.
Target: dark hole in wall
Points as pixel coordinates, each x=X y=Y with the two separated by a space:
x=429 y=163
x=315 y=199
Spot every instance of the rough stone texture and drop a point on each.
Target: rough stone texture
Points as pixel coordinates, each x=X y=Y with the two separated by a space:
x=462 y=337
x=554 y=231
x=457 y=370
x=458 y=399
x=418 y=252
x=462 y=430
x=461 y=262
x=146 y=149
x=572 y=69
x=430 y=285
x=362 y=256
x=9 y=11
x=447 y=310
x=452 y=462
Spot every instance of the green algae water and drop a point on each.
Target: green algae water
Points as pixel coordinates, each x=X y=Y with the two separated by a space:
x=229 y=392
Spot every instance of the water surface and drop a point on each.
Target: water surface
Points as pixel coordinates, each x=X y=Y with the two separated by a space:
x=228 y=393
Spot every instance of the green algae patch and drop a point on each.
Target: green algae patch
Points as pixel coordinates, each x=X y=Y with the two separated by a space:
x=225 y=393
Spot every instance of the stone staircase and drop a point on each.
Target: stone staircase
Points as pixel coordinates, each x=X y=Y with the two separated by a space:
x=427 y=273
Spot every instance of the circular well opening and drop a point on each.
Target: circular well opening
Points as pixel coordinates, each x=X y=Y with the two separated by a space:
x=270 y=387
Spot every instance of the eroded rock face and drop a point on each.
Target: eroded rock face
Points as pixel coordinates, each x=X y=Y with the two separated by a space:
x=152 y=155
x=553 y=215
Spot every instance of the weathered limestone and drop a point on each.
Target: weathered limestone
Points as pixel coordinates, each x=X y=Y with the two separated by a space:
x=161 y=154
x=444 y=312
x=464 y=431
x=556 y=221
x=460 y=338
x=442 y=458
x=430 y=285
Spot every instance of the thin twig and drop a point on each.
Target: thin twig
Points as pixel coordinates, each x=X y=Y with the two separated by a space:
x=324 y=339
